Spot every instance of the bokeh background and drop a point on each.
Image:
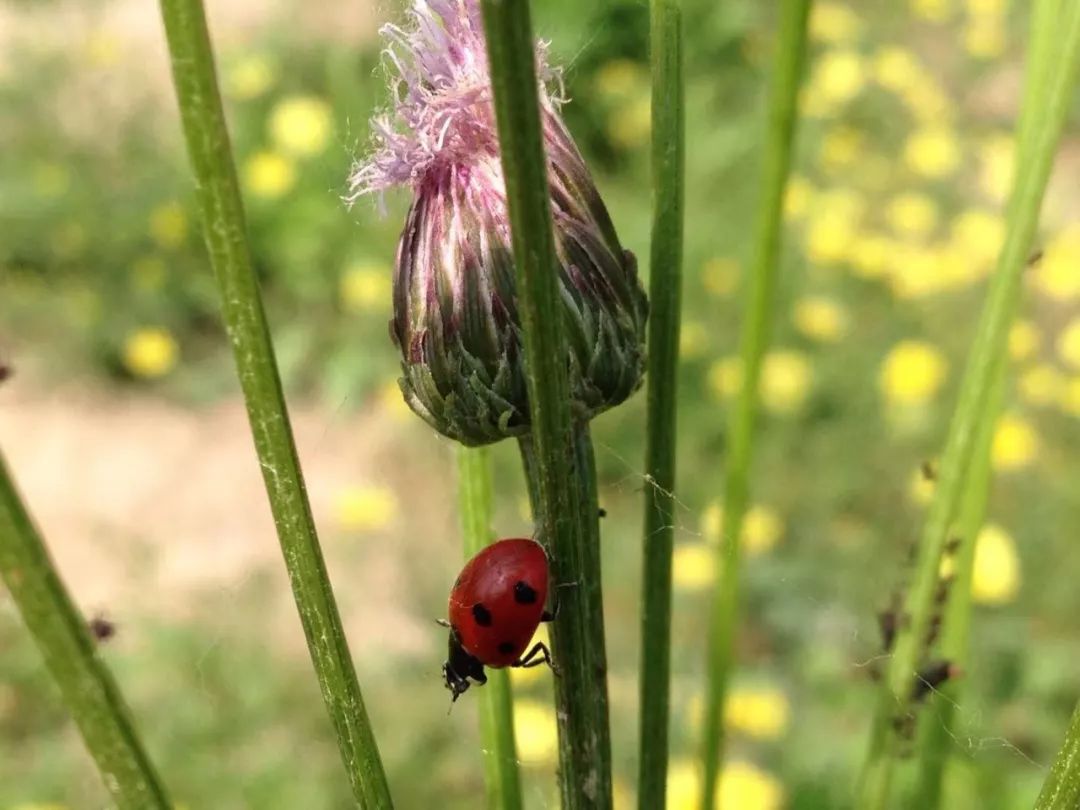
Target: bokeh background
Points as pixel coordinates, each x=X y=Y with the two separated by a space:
x=124 y=427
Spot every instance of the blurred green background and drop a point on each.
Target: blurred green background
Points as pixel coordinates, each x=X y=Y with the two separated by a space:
x=125 y=430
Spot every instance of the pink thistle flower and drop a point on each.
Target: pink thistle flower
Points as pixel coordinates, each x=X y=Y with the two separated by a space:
x=455 y=308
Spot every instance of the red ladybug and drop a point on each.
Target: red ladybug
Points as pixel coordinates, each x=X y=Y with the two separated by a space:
x=496 y=605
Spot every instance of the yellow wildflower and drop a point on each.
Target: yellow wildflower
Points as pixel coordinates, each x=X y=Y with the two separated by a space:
x=820 y=318
x=150 y=352
x=535 y=732
x=896 y=69
x=168 y=225
x=1056 y=275
x=747 y=787
x=834 y=23
x=870 y=255
x=622 y=797
x=841 y=147
x=269 y=175
x=757 y=711
x=693 y=339
x=979 y=233
x=301 y=125
x=932 y=151
x=725 y=377
x=683 y=785
x=933 y=10
x=985 y=38
x=786 y=378
x=917 y=271
x=996 y=575
x=720 y=276
x=250 y=77
x=797 y=197
x=393 y=401
x=1016 y=444
x=1042 y=385
x=911 y=214
x=829 y=236
x=630 y=124
x=620 y=78
x=761 y=530
x=693 y=566
x=1070 y=397
x=366 y=508
x=1024 y=340
x=1068 y=343
x=996 y=161
x=986 y=8
x=838 y=77
x=912 y=373
x=365 y=287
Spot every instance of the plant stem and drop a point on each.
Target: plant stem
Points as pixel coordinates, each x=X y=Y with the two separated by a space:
x=496 y=701
x=61 y=635
x=937 y=738
x=760 y=303
x=558 y=454
x=665 y=296
x=1061 y=790
x=225 y=231
x=987 y=350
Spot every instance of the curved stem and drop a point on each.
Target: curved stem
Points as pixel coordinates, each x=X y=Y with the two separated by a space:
x=61 y=635
x=224 y=228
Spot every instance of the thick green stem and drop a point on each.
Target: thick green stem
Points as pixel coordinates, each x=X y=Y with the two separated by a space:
x=560 y=457
x=225 y=231
x=665 y=296
x=578 y=636
x=1061 y=790
x=937 y=739
x=62 y=636
x=988 y=348
x=496 y=701
x=760 y=304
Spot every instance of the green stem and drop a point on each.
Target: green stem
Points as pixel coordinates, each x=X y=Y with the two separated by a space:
x=937 y=738
x=760 y=303
x=665 y=295
x=61 y=635
x=560 y=456
x=496 y=700
x=1061 y=790
x=989 y=346
x=578 y=635
x=225 y=231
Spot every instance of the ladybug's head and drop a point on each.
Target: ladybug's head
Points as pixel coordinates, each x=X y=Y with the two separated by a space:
x=460 y=667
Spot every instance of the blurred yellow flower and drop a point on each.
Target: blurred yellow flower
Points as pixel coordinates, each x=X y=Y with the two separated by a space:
x=870 y=255
x=269 y=175
x=820 y=318
x=757 y=711
x=829 y=236
x=1057 y=275
x=912 y=373
x=620 y=78
x=996 y=575
x=693 y=339
x=834 y=23
x=720 y=276
x=747 y=787
x=979 y=233
x=365 y=287
x=1042 y=385
x=926 y=100
x=1016 y=444
x=535 y=732
x=841 y=147
x=933 y=10
x=150 y=352
x=985 y=38
x=168 y=225
x=911 y=214
x=301 y=125
x=986 y=8
x=725 y=377
x=1068 y=342
x=786 y=379
x=683 y=785
x=365 y=508
x=896 y=69
x=761 y=530
x=250 y=77
x=1024 y=340
x=693 y=566
x=1069 y=398
x=103 y=48
x=932 y=151
x=838 y=77
x=997 y=157
x=630 y=124
x=393 y=401
x=797 y=197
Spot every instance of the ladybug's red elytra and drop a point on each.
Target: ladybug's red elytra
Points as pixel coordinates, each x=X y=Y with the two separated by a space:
x=496 y=605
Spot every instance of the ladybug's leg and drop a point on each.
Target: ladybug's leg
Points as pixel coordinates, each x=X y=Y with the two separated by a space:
x=549 y=615
x=538 y=655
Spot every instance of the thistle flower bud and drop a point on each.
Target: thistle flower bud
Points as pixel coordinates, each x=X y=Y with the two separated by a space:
x=455 y=305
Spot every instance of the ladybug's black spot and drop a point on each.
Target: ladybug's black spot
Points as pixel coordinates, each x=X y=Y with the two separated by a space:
x=506 y=647
x=481 y=614
x=523 y=593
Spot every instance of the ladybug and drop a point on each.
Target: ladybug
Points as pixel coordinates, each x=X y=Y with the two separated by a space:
x=496 y=604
